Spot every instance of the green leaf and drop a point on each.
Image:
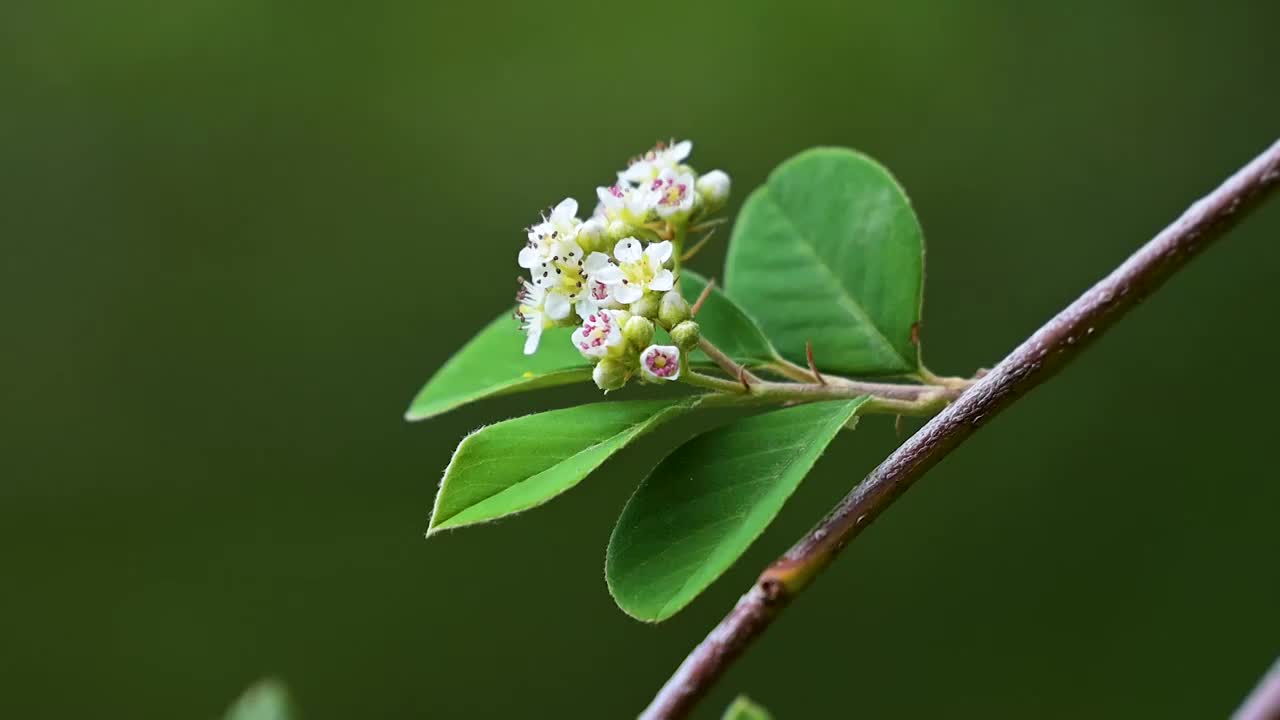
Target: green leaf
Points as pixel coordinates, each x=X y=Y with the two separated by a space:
x=705 y=503
x=521 y=463
x=493 y=363
x=743 y=708
x=266 y=700
x=830 y=251
x=725 y=324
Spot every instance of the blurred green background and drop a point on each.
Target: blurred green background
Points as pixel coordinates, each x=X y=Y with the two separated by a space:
x=238 y=235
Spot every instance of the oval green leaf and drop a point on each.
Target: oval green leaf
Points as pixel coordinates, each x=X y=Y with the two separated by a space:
x=726 y=324
x=705 y=503
x=518 y=464
x=830 y=251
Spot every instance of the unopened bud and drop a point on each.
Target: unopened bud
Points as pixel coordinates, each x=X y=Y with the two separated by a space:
x=673 y=311
x=591 y=236
x=638 y=331
x=609 y=374
x=686 y=335
x=713 y=189
x=646 y=306
x=618 y=230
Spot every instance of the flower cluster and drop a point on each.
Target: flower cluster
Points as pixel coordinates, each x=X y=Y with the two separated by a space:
x=615 y=274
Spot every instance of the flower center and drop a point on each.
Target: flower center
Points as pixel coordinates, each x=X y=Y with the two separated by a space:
x=661 y=365
x=596 y=330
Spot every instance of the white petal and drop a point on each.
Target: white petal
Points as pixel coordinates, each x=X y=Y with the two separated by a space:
x=609 y=275
x=565 y=211
x=557 y=305
x=638 y=172
x=538 y=231
x=529 y=258
x=607 y=199
x=627 y=293
x=535 y=334
x=585 y=306
x=596 y=262
x=658 y=253
x=568 y=250
x=680 y=151
x=627 y=250
x=662 y=281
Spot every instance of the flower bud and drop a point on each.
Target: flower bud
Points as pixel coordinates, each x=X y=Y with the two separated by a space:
x=713 y=189
x=673 y=311
x=686 y=335
x=646 y=306
x=638 y=331
x=609 y=374
x=618 y=230
x=591 y=236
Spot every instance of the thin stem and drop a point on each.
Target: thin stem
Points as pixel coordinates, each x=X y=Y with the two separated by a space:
x=928 y=378
x=726 y=363
x=1052 y=346
x=688 y=254
x=1264 y=702
x=786 y=368
x=708 y=382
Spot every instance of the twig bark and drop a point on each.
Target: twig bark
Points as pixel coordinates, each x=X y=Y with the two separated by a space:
x=1264 y=702
x=1052 y=346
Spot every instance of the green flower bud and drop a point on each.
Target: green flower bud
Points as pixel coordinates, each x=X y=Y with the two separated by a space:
x=673 y=311
x=686 y=335
x=646 y=306
x=638 y=331
x=713 y=190
x=609 y=374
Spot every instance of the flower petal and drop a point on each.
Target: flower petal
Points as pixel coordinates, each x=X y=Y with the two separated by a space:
x=557 y=306
x=680 y=151
x=658 y=253
x=568 y=250
x=535 y=334
x=627 y=250
x=596 y=262
x=627 y=294
x=565 y=211
x=529 y=258
x=662 y=281
x=637 y=172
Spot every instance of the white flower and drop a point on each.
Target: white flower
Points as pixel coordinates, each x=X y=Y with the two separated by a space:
x=561 y=226
x=714 y=189
x=623 y=207
x=641 y=271
x=600 y=335
x=652 y=163
x=531 y=312
x=600 y=273
x=561 y=278
x=660 y=362
x=673 y=192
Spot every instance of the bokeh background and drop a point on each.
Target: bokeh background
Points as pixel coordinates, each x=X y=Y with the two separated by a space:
x=237 y=236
